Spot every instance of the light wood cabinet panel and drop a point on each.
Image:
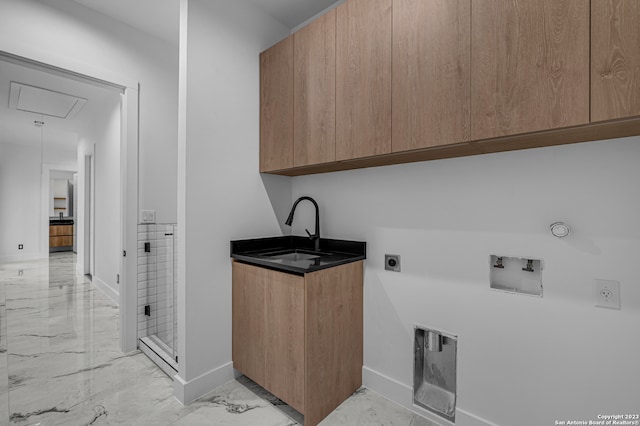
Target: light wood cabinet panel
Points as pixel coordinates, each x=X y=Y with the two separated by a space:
x=276 y=107
x=248 y=317
x=333 y=342
x=529 y=60
x=314 y=84
x=61 y=241
x=615 y=59
x=284 y=355
x=300 y=337
x=57 y=230
x=363 y=78
x=431 y=73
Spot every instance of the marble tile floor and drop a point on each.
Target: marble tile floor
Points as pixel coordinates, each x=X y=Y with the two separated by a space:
x=60 y=364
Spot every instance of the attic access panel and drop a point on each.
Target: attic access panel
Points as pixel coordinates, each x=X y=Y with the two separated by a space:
x=39 y=100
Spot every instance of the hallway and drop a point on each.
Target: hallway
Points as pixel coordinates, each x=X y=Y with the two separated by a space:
x=63 y=357
x=61 y=363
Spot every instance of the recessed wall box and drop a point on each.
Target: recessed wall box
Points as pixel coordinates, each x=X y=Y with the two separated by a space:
x=521 y=275
x=434 y=372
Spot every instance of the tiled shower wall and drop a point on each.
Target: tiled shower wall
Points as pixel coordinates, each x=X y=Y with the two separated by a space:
x=156 y=282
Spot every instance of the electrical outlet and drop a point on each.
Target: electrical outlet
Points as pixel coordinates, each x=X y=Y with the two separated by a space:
x=392 y=262
x=147 y=216
x=607 y=294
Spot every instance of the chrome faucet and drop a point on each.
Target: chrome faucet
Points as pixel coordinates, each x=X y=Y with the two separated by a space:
x=315 y=237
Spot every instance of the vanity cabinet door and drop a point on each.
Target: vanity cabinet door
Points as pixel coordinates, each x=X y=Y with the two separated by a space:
x=530 y=62
x=615 y=59
x=284 y=338
x=248 y=320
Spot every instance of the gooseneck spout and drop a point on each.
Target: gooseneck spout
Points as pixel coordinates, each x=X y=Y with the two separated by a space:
x=315 y=237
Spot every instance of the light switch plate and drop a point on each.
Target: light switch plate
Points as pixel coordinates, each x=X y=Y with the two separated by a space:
x=607 y=294
x=147 y=216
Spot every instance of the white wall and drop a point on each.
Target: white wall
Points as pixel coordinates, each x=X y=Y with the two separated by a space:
x=221 y=194
x=107 y=196
x=19 y=202
x=72 y=36
x=521 y=360
x=26 y=199
x=102 y=140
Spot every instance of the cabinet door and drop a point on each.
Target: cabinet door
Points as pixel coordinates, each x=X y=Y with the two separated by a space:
x=333 y=346
x=284 y=352
x=314 y=85
x=248 y=316
x=530 y=60
x=615 y=59
x=363 y=79
x=431 y=74
x=276 y=107
x=61 y=241
x=55 y=230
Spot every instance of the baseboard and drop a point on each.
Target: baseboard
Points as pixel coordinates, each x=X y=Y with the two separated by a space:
x=402 y=394
x=21 y=257
x=111 y=292
x=189 y=391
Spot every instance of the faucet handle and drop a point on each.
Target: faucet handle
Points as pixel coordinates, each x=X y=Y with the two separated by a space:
x=309 y=234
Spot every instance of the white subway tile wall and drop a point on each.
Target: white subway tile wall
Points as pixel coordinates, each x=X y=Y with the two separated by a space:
x=156 y=283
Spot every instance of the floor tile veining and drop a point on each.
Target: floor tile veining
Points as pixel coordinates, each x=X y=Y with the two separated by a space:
x=60 y=364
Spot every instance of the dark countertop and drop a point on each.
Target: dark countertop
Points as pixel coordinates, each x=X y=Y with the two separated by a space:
x=263 y=252
x=65 y=221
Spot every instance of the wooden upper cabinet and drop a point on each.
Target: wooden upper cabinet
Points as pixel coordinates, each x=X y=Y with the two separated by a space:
x=276 y=107
x=431 y=73
x=314 y=85
x=530 y=60
x=615 y=59
x=363 y=78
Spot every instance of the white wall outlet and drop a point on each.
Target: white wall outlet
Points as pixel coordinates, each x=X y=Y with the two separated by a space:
x=147 y=216
x=607 y=294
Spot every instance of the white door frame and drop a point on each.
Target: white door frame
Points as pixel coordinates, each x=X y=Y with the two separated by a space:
x=88 y=260
x=76 y=69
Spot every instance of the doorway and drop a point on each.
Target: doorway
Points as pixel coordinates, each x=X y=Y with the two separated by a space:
x=124 y=188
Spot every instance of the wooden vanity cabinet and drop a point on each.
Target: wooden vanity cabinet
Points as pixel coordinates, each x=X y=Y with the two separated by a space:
x=615 y=59
x=300 y=337
x=60 y=236
x=530 y=60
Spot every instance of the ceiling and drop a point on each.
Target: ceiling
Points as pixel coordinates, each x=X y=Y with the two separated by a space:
x=18 y=127
x=292 y=13
x=161 y=17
